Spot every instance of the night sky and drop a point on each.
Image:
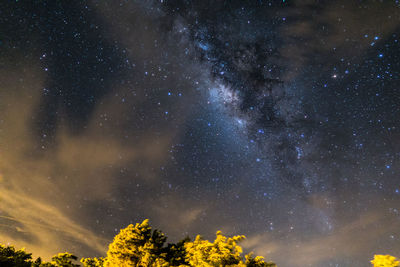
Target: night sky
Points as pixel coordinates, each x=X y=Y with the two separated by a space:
x=279 y=120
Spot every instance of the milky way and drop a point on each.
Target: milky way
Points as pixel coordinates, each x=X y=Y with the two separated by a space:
x=278 y=120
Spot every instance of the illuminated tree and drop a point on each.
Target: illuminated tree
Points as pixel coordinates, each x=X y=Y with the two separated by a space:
x=222 y=252
x=138 y=245
x=385 y=261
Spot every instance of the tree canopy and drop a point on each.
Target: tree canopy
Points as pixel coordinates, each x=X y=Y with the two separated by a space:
x=140 y=246
x=385 y=261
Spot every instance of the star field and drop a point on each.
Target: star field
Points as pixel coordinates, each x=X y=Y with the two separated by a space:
x=278 y=120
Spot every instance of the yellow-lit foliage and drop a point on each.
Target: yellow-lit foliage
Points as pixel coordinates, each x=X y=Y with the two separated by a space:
x=140 y=246
x=385 y=261
x=136 y=246
x=222 y=252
